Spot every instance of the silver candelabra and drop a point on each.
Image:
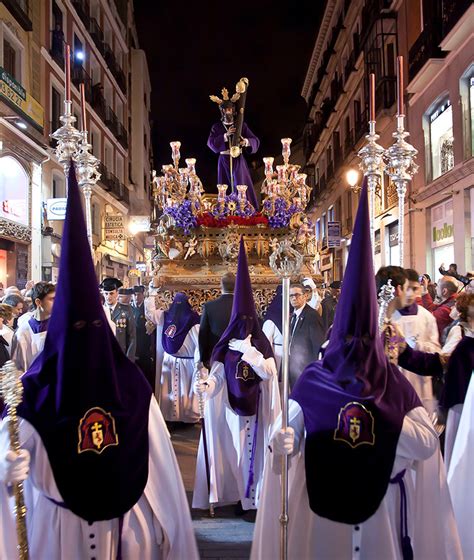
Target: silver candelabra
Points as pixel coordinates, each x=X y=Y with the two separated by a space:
x=372 y=165
x=74 y=146
x=400 y=167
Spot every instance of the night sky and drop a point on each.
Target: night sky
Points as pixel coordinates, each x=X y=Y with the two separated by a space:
x=195 y=48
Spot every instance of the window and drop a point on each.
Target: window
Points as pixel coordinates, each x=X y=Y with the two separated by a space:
x=331 y=217
x=441 y=139
x=119 y=167
x=95 y=211
x=78 y=52
x=59 y=190
x=56 y=107
x=12 y=53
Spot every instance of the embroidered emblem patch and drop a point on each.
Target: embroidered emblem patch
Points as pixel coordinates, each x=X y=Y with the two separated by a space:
x=96 y=431
x=244 y=371
x=170 y=331
x=355 y=425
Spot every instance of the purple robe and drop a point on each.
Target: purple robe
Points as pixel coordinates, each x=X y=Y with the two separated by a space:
x=178 y=321
x=242 y=382
x=88 y=402
x=240 y=170
x=353 y=401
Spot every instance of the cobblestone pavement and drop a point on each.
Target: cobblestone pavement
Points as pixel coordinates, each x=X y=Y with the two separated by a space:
x=225 y=537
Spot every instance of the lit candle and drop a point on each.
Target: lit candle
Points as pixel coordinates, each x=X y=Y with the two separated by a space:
x=82 y=90
x=400 y=108
x=371 y=97
x=68 y=73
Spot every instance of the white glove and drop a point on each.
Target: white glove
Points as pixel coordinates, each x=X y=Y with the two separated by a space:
x=283 y=442
x=15 y=466
x=240 y=345
x=309 y=282
x=204 y=388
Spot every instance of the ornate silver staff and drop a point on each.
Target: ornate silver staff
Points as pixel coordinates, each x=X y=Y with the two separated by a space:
x=11 y=390
x=204 y=443
x=386 y=294
x=285 y=262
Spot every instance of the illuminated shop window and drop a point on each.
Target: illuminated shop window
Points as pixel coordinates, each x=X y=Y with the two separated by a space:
x=441 y=139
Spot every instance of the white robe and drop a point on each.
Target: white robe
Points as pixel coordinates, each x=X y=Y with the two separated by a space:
x=272 y=332
x=26 y=345
x=230 y=437
x=460 y=474
x=174 y=373
x=431 y=524
x=158 y=527
x=7 y=334
x=421 y=333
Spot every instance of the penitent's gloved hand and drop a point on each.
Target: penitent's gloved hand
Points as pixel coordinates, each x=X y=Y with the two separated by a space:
x=241 y=345
x=14 y=467
x=283 y=442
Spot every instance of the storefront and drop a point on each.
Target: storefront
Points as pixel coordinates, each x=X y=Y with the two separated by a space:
x=442 y=235
x=393 y=248
x=15 y=233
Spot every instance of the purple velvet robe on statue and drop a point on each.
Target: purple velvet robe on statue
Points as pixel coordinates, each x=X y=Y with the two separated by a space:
x=240 y=170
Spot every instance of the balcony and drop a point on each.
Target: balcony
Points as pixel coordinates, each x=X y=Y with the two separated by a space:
x=330 y=171
x=452 y=11
x=57 y=47
x=20 y=10
x=97 y=35
x=115 y=68
x=361 y=126
x=122 y=135
x=80 y=76
x=111 y=121
x=348 y=143
x=385 y=93
x=338 y=156
x=83 y=10
x=424 y=48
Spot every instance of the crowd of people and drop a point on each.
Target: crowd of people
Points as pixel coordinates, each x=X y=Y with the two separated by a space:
x=369 y=475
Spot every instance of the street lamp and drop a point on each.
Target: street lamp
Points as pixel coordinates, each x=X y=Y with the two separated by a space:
x=352 y=178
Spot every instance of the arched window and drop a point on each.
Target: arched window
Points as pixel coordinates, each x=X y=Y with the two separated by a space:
x=14 y=183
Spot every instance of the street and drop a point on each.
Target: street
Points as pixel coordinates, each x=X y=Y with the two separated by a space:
x=224 y=537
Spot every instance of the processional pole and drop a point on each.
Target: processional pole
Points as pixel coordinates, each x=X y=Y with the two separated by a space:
x=11 y=390
x=285 y=263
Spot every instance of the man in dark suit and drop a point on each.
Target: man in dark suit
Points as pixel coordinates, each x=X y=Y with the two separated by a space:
x=144 y=353
x=121 y=315
x=329 y=303
x=306 y=333
x=215 y=318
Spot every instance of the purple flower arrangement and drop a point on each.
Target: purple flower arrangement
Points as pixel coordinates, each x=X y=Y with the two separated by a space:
x=282 y=213
x=183 y=215
x=232 y=207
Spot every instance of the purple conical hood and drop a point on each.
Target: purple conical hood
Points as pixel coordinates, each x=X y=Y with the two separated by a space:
x=87 y=401
x=355 y=348
x=178 y=321
x=243 y=393
x=354 y=401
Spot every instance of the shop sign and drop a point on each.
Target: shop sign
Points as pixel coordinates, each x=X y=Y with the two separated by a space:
x=138 y=224
x=442 y=228
x=17 y=97
x=141 y=266
x=134 y=273
x=114 y=228
x=56 y=208
x=334 y=234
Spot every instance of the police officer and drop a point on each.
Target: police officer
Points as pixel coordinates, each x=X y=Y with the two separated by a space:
x=145 y=338
x=121 y=315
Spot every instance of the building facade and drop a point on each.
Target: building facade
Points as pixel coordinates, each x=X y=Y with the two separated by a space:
x=441 y=123
x=355 y=39
x=22 y=148
x=103 y=45
x=104 y=55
